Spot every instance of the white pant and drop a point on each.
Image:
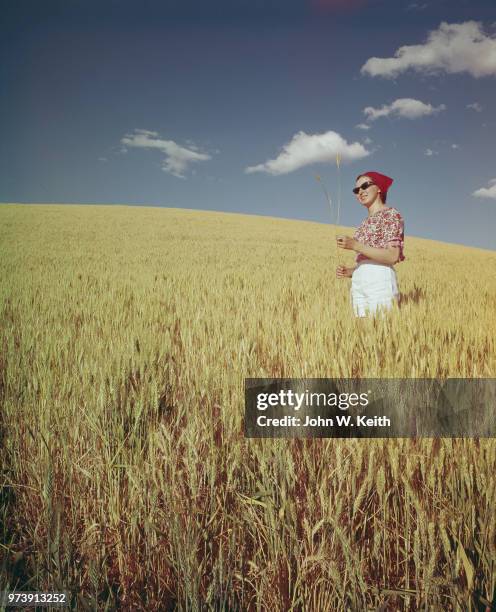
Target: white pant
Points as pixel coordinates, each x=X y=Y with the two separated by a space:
x=373 y=287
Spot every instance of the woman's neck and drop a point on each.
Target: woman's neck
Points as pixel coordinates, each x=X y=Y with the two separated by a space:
x=376 y=207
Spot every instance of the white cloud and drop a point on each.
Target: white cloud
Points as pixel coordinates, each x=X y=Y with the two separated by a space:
x=430 y=152
x=192 y=145
x=363 y=126
x=367 y=141
x=102 y=159
x=455 y=146
x=487 y=192
x=177 y=158
x=475 y=106
x=452 y=48
x=414 y=6
x=402 y=107
x=305 y=149
x=147 y=133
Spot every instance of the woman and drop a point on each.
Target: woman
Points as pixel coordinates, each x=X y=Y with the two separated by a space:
x=378 y=243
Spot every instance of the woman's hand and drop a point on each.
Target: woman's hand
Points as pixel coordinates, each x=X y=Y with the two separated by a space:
x=344 y=272
x=345 y=242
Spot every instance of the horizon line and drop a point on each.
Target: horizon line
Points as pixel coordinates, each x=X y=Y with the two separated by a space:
x=224 y=212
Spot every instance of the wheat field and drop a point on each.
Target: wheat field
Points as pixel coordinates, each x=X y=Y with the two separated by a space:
x=126 y=336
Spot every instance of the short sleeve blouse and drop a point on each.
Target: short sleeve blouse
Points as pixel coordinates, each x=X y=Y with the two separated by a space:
x=381 y=230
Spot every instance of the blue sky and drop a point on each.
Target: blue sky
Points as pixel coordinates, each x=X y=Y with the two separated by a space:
x=237 y=106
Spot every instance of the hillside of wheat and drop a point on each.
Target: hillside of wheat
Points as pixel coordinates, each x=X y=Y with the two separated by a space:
x=126 y=337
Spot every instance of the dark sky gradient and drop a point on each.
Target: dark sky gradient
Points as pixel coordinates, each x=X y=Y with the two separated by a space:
x=239 y=80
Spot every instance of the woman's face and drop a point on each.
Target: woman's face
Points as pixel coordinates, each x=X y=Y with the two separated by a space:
x=368 y=196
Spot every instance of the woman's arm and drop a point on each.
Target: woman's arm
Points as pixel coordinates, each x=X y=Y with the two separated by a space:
x=345 y=271
x=387 y=256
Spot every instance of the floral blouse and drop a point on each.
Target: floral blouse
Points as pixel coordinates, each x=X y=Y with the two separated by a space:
x=381 y=230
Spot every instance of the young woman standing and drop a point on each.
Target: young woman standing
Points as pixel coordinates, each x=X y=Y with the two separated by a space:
x=378 y=242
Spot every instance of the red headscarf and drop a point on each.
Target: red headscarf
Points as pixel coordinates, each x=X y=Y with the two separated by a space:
x=381 y=180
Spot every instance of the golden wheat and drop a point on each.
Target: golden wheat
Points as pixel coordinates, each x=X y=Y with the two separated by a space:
x=127 y=333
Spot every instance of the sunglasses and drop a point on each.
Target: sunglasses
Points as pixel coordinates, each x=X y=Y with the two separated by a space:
x=363 y=186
